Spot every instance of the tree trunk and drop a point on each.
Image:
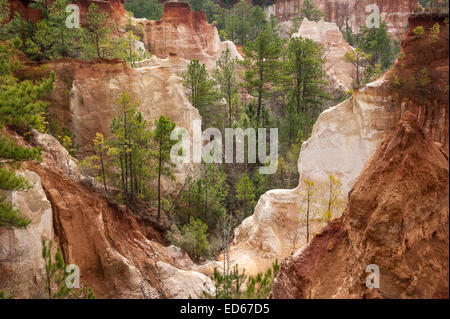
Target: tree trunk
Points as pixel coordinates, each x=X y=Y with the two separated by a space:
x=159 y=181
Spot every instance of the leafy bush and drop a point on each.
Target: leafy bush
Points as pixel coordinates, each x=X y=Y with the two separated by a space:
x=237 y=285
x=419 y=31
x=192 y=238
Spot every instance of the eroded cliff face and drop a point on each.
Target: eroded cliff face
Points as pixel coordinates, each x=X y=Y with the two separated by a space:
x=85 y=94
x=339 y=71
x=185 y=33
x=114 y=8
x=344 y=137
x=398 y=209
x=354 y=11
x=119 y=254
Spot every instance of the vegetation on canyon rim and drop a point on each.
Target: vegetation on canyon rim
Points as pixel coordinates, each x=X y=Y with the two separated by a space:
x=287 y=86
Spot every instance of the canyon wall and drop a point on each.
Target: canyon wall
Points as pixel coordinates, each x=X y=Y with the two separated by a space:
x=119 y=254
x=85 y=110
x=114 y=8
x=185 y=33
x=395 y=13
x=339 y=71
x=344 y=137
x=397 y=216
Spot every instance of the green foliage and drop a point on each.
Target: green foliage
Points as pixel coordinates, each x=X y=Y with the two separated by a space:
x=260 y=286
x=161 y=135
x=55 y=277
x=63 y=135
x=334 y=201
x=97 y=33
x=307 y=205
x=21 y=103
x=128 y=148
x=228 y=286
x=232 y=285
x=193 y=238
x=376 y=42
x=9 y=216
x=419 y=31
x=245 y=193
x=348 y=34
x=304 y=83
x=201 y=92
x=205 y=197
x=209 y=7
x=262 y=66
x=225 y=76
x=310 y=11
x=4 y=295
x=359 y=59
x=241 y=23
x=149 y=9
x=434 y=33
x=20 y=107
x=10 y=150
x=51 y=38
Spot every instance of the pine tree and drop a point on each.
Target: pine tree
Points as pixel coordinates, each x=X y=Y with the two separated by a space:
x=129 y=147
x=262 y=64
x=161 y=136
x=201 y=92
x=99 y=142
x=310 y=11
x=97 y=32
x=149 y=9
x=358 y=58
x=304 y=81
x=245 y=192
x=55 y=277
x=21 y=107
x=377 y=43
x=225 y=76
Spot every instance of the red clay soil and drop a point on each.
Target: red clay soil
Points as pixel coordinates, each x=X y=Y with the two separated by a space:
x=97 y=235
x=397 y=215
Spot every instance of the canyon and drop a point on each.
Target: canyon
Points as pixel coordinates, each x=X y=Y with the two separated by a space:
x=388 y=144
x=403 y=229
x=339 y=71
x=352 y=12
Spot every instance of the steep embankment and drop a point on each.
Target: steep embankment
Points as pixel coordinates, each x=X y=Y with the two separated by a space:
x=353 y=12
x=119 y=255
x=84 y=98
x=339 y=71
x=114 y=8
x=185 y=33
x=398 y=209
x=344 y=137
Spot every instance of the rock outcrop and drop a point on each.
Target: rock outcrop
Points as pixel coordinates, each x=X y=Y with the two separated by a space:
x=85 y=110
x=114 y=8
x=20 y=249
x=351 y=11
x=185 y=33
x=344 y=137
x=119 y=255
x=397 y=216
x=339 y=71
